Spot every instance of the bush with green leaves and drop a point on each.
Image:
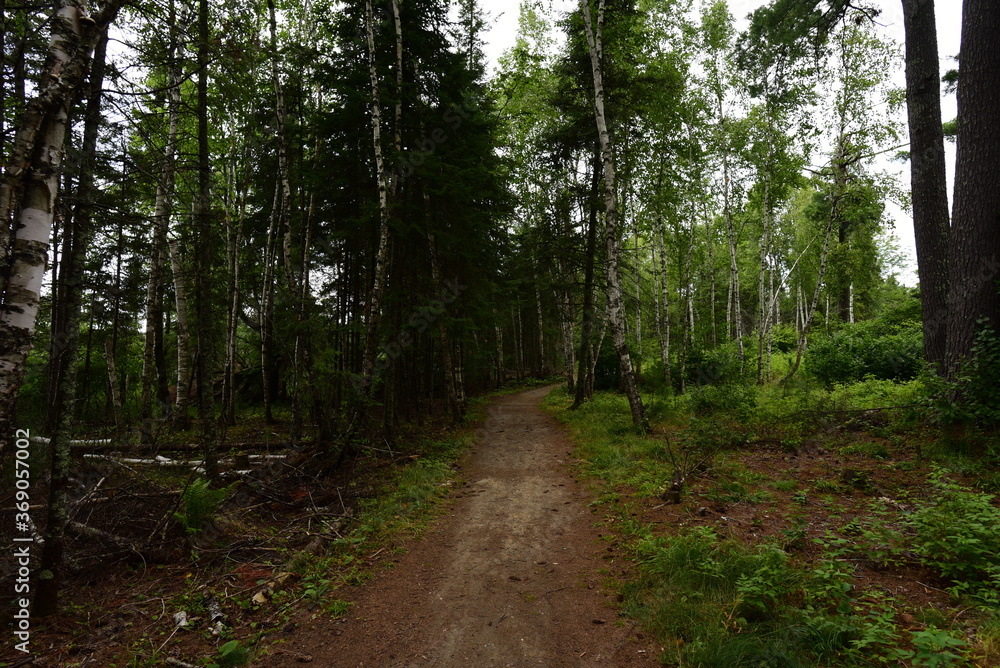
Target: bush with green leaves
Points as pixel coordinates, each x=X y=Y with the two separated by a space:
x=958 y=534
x=973 y=395
x=721 y=603
x=714 y=366
x=873 y=348
x=933 y=648
x=738 y=400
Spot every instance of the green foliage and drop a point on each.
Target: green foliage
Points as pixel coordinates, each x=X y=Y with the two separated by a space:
x=956 y=534
x=199 y=503
x=932 y=648
x=868 y=349
x=230 y=655
x=738 y=400
x=608 y=370
x=973 y=397
x=722 y=603
x=715 y=366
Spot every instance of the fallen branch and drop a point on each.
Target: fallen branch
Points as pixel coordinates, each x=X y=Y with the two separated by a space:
x=177 y=662
x=42 y=440
x=86 y=531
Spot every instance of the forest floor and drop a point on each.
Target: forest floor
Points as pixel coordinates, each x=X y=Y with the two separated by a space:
x=513 y=574
x=514 y=542
x=495 y=559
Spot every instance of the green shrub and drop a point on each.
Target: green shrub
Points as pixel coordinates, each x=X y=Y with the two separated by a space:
x=871 y=348
x=714 y=366
x=608 y=370
x=956 y=533
x=740 y=400
x=973 y=397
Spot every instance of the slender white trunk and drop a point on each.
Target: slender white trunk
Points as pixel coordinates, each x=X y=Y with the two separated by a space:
x=374 y=303
x=665 y=313
x=182 y=396
x=161 y=223
x=33 y=167
x=613 y=244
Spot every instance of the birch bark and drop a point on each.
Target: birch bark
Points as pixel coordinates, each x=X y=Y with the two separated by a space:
x=33 y=168
x=615 y=310
x=373 y=310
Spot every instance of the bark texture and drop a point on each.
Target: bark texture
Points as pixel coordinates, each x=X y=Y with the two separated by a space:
x=615 y=308
x=974 y=260
x=32 y=169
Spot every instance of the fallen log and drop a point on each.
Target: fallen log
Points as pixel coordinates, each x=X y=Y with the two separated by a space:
x=107 y=445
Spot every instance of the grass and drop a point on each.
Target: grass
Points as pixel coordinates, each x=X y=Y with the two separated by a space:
x=715 y=593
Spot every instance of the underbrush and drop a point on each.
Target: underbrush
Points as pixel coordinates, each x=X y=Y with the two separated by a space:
x=286 y=540
x=810 y=526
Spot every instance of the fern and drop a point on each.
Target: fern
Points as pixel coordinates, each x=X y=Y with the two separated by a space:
x=200 y=502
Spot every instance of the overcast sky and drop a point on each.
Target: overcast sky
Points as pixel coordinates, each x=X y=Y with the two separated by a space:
x=504 y=29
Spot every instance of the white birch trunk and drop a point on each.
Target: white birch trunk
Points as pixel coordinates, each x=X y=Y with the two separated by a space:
x=615 y=310
x=665 y=313
x=182 y=397
x=33 y=167
x=374 y=304
x=161 y=223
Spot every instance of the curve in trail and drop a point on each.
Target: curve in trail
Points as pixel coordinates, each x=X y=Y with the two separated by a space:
x=511 y=576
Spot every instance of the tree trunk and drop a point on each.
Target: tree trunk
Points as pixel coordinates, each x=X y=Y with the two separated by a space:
x=32 y=168
x=974 y=260
x=615 y=311
x=665 y=313
x=456 y=397
x=565 y=309
x=734 y=314
x=928 y=183
x=543 y=367
x=47 y=594
x=181 y=419
x=586 y=327
x=763 y=289
x=161 y=223
x=373 y=307
x=116 y=398
x=266 y=313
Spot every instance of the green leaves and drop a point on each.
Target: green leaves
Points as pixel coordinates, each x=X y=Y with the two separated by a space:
x=957 y=534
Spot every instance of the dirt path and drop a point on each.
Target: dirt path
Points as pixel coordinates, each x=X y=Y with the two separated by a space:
x=509 y=577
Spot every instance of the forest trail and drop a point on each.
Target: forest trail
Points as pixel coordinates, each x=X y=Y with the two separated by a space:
x=510 y=576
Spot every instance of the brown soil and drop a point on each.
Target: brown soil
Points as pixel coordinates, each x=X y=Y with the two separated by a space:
x=513 y=575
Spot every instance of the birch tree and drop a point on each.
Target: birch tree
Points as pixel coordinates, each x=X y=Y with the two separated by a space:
x=594 y=33
x=33 y=169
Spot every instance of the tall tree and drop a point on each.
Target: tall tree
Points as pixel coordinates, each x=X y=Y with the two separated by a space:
x=927 y=172
x=47 y=595
x=974 y=258
x=594 y=33
x=33 y=169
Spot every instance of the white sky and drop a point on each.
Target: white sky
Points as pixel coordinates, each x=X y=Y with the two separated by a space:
x=949 y=16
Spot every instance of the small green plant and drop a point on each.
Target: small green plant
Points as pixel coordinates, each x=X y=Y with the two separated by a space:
x=956 y=534
x=785 y=485
x=933 y=648
x=230 y=655
x=872 y=449
x=336 y=607
x=199 y=503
